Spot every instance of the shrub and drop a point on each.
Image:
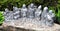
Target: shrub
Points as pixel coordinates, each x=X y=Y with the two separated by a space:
x=1 y=17
x=56 y=10
x=19 y=3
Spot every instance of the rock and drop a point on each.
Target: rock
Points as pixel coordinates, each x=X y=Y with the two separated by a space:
x=30 y=27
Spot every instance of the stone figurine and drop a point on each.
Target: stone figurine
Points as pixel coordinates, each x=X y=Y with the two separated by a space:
x=50 y=19
x=38 y=12
x=44 y=15
x=16 y=13
x=24 y=11
x=31 y=11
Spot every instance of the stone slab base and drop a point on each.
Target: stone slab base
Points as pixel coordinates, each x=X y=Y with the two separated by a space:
x=29 y=27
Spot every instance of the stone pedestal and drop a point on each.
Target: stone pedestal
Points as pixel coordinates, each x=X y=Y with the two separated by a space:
x=28 y=26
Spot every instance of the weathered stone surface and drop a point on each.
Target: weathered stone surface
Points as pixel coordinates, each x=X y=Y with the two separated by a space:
x=28 y=26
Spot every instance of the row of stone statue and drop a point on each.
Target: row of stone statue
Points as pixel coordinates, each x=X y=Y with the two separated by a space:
x=30 y=12
x=45 y=15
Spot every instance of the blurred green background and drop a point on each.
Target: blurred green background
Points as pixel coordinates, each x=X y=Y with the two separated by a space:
x=52 y=5
x=1 y=18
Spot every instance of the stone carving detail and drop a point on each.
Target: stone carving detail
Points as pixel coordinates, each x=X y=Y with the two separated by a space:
x=44 y=16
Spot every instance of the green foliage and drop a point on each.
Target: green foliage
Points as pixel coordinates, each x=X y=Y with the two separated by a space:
x=58 y=7
x=19 y=3
x=1 y=17
x=57 y=13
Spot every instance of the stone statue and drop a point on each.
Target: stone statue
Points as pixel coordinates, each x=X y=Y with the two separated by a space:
x=31 y=11
x=31 y=14
x=50 y=19
x=8 y=15
x=38 y=12
x=44 y=15
x=51 y=13
x=16 y=13
x=24 y=11
x=6 y=11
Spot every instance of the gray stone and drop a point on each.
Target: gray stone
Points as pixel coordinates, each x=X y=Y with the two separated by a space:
x=24 y=11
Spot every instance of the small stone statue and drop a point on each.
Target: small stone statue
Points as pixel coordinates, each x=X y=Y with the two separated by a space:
x=50 y=19
x=44 y=15
x=38 y=12
x=6 y=14
x=31 y=11
x=51 y=13
x=24 y=11
x=16 y=13
x=6 y=11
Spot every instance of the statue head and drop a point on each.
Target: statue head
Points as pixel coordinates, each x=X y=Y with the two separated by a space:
x=31 y=5
x=6 y=10
x=24 y=6
x=39 y=7
x=15 y=8
x=50 y=11
x=45 y=9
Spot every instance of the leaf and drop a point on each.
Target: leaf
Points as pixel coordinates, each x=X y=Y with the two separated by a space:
x=1 y=17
